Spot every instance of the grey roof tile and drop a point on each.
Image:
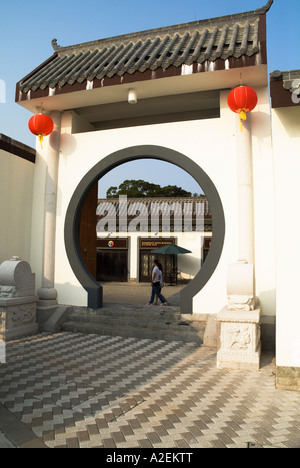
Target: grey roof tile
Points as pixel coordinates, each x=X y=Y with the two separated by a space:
x=197 y=42
x=188 y=206
x=285 y=88
x=290 y=79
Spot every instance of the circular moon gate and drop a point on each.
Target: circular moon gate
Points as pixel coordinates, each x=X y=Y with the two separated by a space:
x=71 y=232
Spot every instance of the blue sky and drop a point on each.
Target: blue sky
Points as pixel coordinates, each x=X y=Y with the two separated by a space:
x=27 y=28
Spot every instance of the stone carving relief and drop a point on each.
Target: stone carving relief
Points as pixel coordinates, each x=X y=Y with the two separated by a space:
x=238 y=338
x=20 y=315
x=239 y=302
x=8 y=291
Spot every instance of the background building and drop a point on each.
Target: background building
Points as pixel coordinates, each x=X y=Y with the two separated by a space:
x=151 y=223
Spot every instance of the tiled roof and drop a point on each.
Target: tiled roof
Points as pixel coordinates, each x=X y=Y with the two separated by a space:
x=285 y=88
x=290 y=79
x=197 y=43
x=146 y=206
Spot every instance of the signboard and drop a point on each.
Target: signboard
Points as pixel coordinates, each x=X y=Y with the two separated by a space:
x=152 y=244
x=112 y=244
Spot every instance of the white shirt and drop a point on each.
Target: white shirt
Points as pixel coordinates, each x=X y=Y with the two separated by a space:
x=156 y=275
x=161 y=280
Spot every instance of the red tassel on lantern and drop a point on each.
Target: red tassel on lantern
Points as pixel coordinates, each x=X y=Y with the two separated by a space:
x=41 y=125
x=241 y=100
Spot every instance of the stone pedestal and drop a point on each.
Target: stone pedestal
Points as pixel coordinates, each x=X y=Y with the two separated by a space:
x=17 y=318
x=240 y=321
x=17 y=300
x=240 y=339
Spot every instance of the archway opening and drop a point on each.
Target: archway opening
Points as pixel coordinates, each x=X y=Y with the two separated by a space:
x=73 y=218
x=141 y=207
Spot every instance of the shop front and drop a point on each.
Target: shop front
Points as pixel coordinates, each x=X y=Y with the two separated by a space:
x=146 y=257
x=112 y=260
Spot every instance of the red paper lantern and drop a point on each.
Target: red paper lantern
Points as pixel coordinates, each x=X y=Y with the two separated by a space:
x=41 y=125
x=241 y=100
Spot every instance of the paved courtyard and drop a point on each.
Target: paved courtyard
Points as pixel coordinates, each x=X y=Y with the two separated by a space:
x=137 y=293
x=75 y=390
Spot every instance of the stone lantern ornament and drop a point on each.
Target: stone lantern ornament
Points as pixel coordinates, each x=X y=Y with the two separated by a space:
x=17 y=300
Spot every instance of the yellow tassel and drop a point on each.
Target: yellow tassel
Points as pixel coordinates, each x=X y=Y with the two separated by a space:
x=243 y=116
x=41 y=139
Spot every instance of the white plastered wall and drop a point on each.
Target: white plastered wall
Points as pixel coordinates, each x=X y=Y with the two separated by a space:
x=286 y=143
x=16 y=182
x=212 y=144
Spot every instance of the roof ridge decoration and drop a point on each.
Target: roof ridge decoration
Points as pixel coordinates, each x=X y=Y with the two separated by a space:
x=266 y=7
x=148 y=32
x=285 y=88
x=195 y=44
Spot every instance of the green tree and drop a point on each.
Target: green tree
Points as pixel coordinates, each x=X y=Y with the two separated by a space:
x=143 y=189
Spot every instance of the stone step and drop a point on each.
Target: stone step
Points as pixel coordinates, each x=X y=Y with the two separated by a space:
x=140 y=321
x=135 y=332
x=163 y=323
x=119 y=310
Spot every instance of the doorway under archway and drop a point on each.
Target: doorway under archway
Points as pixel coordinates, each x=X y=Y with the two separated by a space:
x=72 y=221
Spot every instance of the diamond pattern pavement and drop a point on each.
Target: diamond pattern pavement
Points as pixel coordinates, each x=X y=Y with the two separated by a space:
x=71 y=390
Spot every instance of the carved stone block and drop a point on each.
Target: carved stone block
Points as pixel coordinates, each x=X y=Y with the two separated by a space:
x=240 y=320
x=17 y=300
x=240 y=339
x=17 y=318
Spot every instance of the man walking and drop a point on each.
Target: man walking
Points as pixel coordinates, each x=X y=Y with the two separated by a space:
x=156 y=284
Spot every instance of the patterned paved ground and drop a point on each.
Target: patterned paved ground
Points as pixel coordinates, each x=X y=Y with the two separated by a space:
x=74 y=390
